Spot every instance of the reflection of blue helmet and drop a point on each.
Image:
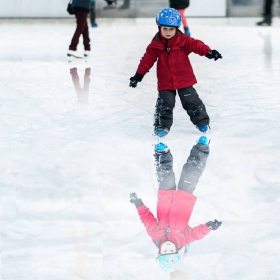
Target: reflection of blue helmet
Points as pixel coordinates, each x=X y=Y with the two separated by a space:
x=169 y=17
x=169 y=262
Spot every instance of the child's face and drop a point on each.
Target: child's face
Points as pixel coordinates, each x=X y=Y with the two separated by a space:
x=168 y=32
x=168 y=247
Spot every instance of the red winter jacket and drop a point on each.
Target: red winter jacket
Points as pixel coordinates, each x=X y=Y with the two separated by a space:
x=174 y=70
x=174 y=209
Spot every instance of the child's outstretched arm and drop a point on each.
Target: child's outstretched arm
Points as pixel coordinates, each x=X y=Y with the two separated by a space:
x=146 y=63
x=146 y=216
x=202 y=49
x=200 y=231
x=214 y=54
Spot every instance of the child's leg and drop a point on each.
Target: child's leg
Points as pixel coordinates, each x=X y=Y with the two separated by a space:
x=163 y=117
x=164 y=170
x=194 y=106
x=193 y=168
x=166 y=183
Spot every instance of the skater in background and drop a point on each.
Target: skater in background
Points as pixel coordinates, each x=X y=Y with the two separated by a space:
x=81 y=9
x=93 y=14
x=171 y=48
x=112 y=4
x=82 y=93
x=267 y=13
x=125 y=5
x=170 y=231
x=180 y=6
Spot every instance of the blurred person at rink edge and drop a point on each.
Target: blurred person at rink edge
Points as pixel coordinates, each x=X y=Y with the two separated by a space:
x=181 y=5
x=171 y=49
x=170 y=231
x=93 y=14
x=267 y=13
x=125 y=5
x=81 y=9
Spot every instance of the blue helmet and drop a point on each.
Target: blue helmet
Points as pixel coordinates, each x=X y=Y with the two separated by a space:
x=169 y=262
x=169 y=17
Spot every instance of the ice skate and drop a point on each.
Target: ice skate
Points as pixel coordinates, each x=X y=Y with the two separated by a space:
x=265 y=22
x=75 y=58
x=161 y=132
x=161 y=148
x=86 y=54
x=94 y=25
x=203 y=140
x=202 y=128
x=73 y=54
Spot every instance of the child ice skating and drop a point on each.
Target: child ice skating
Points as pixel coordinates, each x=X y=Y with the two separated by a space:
x=171 y=48
x=170 y=231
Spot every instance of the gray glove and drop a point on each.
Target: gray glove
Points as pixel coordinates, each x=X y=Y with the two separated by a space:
x=214 y=225
x=135 y=200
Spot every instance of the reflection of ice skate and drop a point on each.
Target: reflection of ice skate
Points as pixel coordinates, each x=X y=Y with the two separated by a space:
x=75 y=56
x=77 y=61
x=267 y=48
x=203 y=140
x=161 y=148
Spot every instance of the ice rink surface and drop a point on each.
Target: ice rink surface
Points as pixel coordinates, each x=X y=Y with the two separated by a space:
x=71 y=155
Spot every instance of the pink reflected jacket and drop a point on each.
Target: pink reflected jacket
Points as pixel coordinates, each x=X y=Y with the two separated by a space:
x=174 y=209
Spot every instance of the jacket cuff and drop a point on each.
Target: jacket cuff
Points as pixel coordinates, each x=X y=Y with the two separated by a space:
x=206 y=229
x=138 y=203
x=208 y=50
x=138 y=77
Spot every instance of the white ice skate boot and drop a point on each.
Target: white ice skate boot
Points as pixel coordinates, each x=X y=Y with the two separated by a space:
x=75 y=54
x=87 y=54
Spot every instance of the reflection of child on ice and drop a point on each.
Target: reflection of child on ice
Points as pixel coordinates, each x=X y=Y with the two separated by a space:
x=170 y=231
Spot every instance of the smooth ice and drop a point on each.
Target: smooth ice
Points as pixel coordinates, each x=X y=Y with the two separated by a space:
x=70 y=156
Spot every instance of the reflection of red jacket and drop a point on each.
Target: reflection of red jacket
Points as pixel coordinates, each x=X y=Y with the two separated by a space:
x=174 y=209
x=174 y=70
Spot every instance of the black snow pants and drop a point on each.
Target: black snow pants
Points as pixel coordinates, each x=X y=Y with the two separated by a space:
x=191 y=172
x=163 y=117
